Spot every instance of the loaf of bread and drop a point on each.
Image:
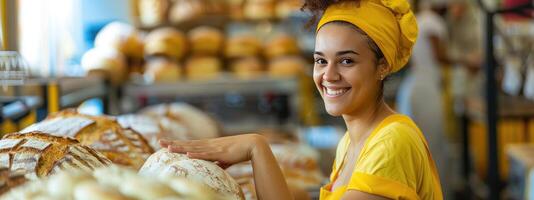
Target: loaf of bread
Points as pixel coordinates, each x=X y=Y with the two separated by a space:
x=287 y=66
x=198 y=124
x=106 y=62
x=186 y=10
x=154 y=128
x=203 y=67
x=37 y=154
x=110 y=183
x=245 y=45
x=164 y=163
x=206 y=40
x=122 y=37
x=153 y=12
x=162 y=70
x=167 y=41
x=247 y=68
x=104 y=134
x=281 y=45
x=260 y=9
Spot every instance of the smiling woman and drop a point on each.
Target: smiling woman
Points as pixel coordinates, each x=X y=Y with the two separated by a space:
x=383 y=155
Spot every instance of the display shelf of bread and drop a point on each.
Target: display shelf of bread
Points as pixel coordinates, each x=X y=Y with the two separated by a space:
x=112 y=183
x=166 y=164
x=104 y=134
x=36 y=154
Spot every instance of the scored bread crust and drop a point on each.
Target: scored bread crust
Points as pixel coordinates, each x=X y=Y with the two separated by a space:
x=37 y=154
x=123 y=146
x=166 y=164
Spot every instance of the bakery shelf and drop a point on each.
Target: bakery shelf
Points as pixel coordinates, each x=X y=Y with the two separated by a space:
x=17 y=107
x=220 y=86
x=60 y=93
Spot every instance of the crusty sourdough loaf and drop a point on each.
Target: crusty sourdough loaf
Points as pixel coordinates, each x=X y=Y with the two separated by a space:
x=104 y=134
x=164 y=164
x=154 y=128
x=198 y=124
x=38 y=154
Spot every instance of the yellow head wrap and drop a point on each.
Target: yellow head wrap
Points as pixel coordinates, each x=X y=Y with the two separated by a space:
x=390 y=24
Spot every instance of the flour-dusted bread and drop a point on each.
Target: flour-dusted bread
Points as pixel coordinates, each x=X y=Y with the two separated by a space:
x=111 y=183
x=199 y=125
x=104 y=134
x=164 y=163
x=37 y=154
x=154 y=128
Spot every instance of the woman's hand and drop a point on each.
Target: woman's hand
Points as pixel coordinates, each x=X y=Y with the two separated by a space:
x=225 y=151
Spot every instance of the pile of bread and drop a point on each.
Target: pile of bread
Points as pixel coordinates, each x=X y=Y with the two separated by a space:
x=157 y=12
x=70 y=155
x=168 y=54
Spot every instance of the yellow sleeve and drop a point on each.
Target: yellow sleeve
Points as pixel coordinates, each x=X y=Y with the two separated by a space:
x=389 y=163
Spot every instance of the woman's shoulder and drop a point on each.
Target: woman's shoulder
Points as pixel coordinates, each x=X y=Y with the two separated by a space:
x=399 y=133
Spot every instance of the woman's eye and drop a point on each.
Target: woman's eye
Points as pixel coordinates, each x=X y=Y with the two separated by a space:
x=320 y=61
x=347 y=61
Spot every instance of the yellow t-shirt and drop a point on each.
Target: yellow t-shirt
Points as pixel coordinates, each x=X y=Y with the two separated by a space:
x=394 y=162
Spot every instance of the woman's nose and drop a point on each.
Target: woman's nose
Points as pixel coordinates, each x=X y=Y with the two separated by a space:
x=331 y=73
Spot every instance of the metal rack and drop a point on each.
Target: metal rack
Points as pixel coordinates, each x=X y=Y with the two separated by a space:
x=58 y=93
x=217 y=91
x=492 y=101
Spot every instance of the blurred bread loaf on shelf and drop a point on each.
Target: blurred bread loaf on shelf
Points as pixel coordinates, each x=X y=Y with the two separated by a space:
x=168 y=42
x=287 y=66
x=186 y=10
x=102 y=133
x=244 y=45
x=247 y=68
x=259 y=9
x=162 y=70
x=122 y=37
x=106 y=62
x=153 y=12
x=206 y=40
x=203 y=67
x=166 y=164
x=281 y=45
x=36 y=154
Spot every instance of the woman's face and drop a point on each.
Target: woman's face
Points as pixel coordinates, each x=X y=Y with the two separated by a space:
x=345 y=70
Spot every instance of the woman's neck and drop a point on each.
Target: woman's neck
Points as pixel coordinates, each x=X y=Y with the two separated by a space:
x=361 y=124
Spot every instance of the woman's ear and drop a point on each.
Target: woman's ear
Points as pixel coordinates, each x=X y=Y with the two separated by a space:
x=383 y=69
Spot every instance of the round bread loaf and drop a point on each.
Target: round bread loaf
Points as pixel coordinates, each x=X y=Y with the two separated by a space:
x=153 y=12
x=107 y=62
x=122 y=37
x=167 y=42
x=206 y=40
x=104 y=134
x=242 y=46
x=164 y=163
x=203 y=67
x=37 y=154
x=162 y=70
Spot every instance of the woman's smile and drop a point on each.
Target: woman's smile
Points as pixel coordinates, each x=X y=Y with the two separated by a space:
x=333 y=91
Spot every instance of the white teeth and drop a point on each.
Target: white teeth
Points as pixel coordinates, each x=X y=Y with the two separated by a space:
x=332 y=92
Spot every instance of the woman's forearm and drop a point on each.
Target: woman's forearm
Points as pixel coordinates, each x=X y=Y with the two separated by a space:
x=269 y=180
